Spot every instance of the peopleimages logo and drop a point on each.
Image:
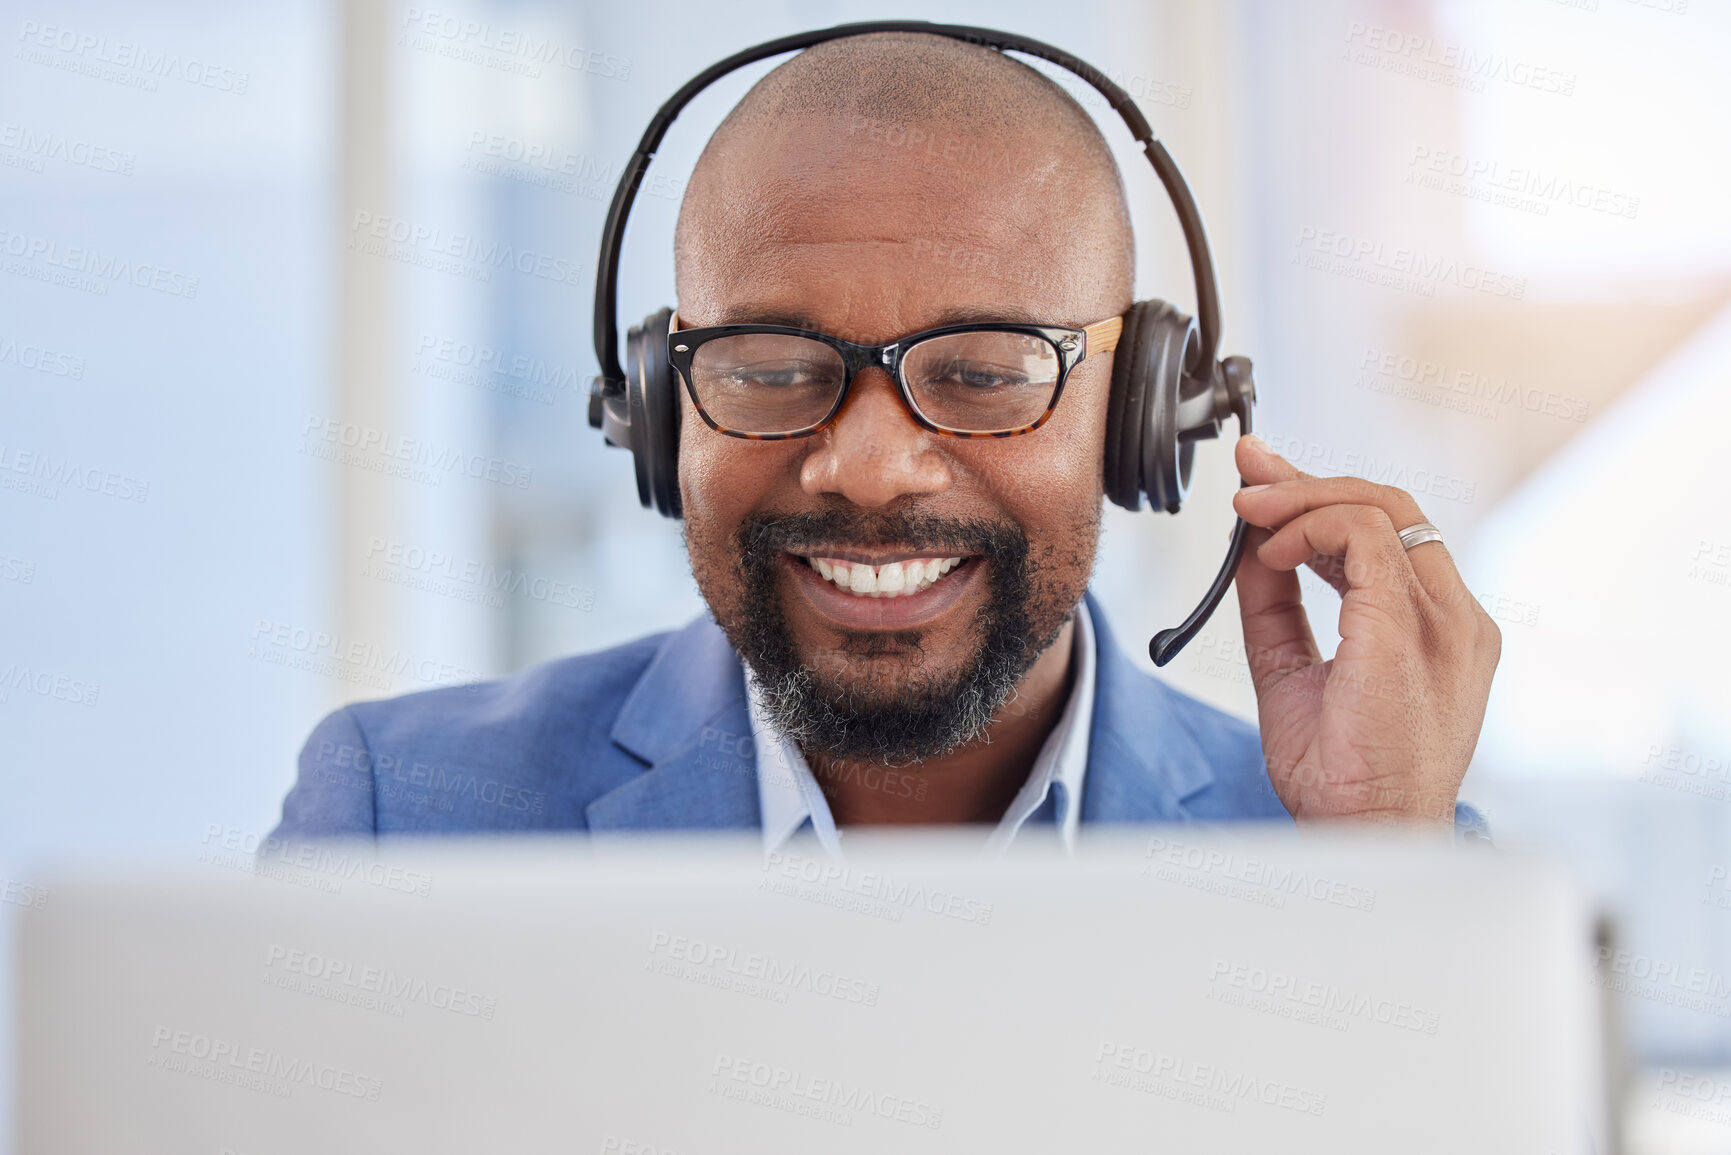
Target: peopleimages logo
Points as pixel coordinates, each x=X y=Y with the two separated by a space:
x=1397 y=266
x=473 y=579
x=23 y=894
x=1288 y=995
x=323 y=651
x=47 y=684
x=1433 y=382
x=1169 y=857
x=1670 y=757
x=776 y=974
x=88 y=269
x=134 y=65
x=345 y=974
x=327 y=866
x=45 y=473
x=1514 y=186
x=37 y=147
x=1313 y=456
x=416 y=456
x=559 y=169
x=17 y=569
x=1423 y=57
x=363 y=767
x=1663 y=981
x=434 y=248
x=223 y=1061
x=41 y=359
x=796 y=1091
x=881 y=892
x=484 y=367
x=1205 y=1084
x=504 y=49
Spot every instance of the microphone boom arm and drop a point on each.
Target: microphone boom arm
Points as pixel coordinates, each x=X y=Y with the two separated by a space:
x=1240 y=388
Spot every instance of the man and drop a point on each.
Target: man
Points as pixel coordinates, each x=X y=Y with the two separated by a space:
x=910 y=606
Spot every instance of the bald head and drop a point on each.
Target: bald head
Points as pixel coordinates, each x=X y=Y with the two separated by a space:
x=922 y=175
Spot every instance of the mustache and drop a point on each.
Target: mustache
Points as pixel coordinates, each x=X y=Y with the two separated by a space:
x=762 y=535
x=912 y=718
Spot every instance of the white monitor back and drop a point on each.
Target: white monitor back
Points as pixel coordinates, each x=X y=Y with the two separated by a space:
x=1168 y=991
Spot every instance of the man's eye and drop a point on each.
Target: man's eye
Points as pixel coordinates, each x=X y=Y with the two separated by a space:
x=784 y=375
x=978 y=375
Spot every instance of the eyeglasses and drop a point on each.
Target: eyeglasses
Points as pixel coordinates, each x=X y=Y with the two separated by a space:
x=774 y=383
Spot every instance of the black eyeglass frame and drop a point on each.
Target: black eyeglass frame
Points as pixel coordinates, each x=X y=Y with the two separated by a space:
x=1070 y=344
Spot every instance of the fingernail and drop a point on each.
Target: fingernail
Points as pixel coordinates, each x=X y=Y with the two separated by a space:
x=1253 y=489
x=1258 y=442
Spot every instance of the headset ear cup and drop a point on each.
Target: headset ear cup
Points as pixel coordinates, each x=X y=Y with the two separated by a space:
x=1143 y=454
x=654 y=402
x=1170 y=339
x=1124 y=405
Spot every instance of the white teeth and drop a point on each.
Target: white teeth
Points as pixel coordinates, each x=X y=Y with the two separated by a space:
x=892 y=579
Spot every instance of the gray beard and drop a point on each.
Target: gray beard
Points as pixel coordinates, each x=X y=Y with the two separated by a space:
x=918 y=717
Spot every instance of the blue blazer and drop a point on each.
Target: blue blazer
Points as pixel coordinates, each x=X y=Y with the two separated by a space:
x=654 y=735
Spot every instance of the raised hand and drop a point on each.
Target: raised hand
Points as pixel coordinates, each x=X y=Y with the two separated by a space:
x=1385 y=729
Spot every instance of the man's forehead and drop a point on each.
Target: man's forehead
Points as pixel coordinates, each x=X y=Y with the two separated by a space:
x=798 y=206
x=872 y=292
x=800 y=183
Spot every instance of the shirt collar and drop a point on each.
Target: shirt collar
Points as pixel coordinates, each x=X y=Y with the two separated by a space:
x=791 y=801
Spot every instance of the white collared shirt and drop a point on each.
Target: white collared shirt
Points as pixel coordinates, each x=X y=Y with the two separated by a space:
x=791 y=800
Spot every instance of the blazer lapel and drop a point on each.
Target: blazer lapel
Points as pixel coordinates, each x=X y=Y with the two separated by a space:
x=1143 y=760
x=686 y=719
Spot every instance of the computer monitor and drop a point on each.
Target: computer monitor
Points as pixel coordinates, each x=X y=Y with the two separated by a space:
x=1158 y=990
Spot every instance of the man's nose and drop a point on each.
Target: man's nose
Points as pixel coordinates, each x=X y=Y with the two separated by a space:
x=874 y=452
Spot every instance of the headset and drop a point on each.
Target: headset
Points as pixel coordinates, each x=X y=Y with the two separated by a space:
x=1168 y=389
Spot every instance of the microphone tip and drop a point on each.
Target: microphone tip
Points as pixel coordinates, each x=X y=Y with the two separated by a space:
x=1164 y=646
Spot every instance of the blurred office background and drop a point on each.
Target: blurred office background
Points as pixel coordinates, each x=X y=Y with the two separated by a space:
x=253 y=255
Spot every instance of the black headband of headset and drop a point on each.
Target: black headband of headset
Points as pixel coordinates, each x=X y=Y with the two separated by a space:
x=613 y=234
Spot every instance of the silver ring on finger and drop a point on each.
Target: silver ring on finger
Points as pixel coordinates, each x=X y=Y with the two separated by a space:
x=1419 y=534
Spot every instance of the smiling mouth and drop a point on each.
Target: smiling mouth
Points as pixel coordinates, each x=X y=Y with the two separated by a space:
x=891 y=579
